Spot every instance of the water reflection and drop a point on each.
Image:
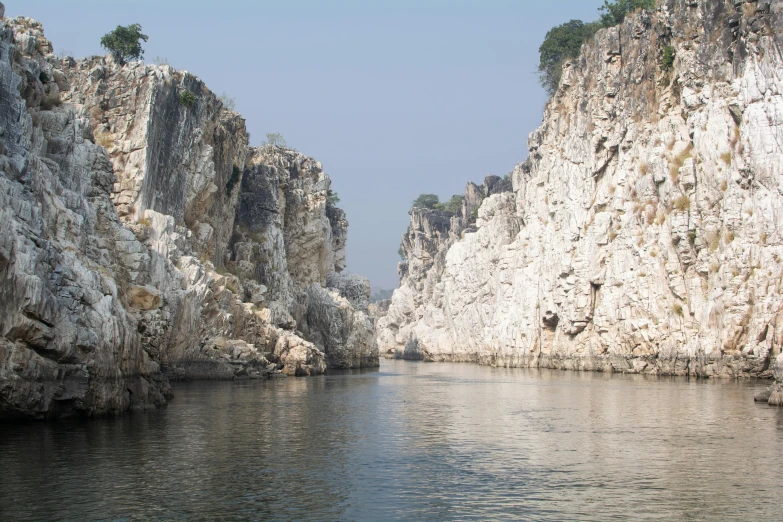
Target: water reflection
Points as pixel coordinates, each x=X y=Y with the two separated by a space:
x=413 y=441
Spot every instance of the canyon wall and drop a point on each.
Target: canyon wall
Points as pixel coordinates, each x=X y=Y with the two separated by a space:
x=143 y=240
x=643 y=232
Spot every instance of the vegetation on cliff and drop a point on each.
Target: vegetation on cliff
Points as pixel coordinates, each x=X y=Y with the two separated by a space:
x=432 y=202
x=564 y=41
x=124 y=43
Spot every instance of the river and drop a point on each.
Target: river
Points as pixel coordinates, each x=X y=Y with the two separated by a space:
x=413 y=441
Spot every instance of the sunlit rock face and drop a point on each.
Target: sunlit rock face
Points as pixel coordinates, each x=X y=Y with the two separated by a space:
x=143 y=240
x=643 y=232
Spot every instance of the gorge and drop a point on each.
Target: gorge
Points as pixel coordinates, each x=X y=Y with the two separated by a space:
x=146 y=241
x=596 y=335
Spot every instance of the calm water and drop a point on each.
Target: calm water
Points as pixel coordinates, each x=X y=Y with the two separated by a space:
x=414 y=441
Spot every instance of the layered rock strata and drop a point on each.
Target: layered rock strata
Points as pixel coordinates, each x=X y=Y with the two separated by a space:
x=144 y=240
x=643 y=233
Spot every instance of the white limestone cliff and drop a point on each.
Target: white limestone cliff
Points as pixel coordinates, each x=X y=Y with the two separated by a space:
x=643 y=233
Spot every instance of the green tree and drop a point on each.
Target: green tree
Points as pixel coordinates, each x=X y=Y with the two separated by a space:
x=125 y=42
x=452 y=205
x=276 y=139
x=187 y=98
x=429 y=201
x=560 y=44
x=614 y=12
x=667 y=58
x=332 y=197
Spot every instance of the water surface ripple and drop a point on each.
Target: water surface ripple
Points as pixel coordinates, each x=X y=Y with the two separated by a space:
x=412 y=441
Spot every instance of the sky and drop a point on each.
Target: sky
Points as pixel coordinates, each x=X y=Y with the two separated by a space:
x=395 y=98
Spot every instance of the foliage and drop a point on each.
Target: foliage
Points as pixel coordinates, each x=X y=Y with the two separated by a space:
x=187 y=98
x=452 y=205
x=331 y=197
x=158 y=60
x=682 y=203
x=50 y=101
x=125 y=42
x=564 y=42
x=379 y=294
x=228 y=103
x=236 y=172
x=401 y=253
x=560 y=44
x=275 y=139
x=614 y=12
x=430 y=201
x=667 y=58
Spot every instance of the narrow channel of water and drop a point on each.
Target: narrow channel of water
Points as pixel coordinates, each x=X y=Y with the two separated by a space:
x=413 y=441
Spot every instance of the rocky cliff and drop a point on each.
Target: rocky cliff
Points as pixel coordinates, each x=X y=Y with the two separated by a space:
x=143 y=240
x=643 y=233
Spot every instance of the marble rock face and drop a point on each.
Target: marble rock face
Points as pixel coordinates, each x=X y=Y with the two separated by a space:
x=143 y=239
x=642 y=234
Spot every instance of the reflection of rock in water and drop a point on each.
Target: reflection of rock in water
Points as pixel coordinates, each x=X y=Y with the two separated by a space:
x=412 y=441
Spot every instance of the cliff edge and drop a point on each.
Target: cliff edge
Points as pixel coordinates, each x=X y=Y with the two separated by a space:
x=143 y=240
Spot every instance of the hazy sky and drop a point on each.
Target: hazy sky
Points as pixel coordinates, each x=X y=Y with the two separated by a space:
x=395 y=98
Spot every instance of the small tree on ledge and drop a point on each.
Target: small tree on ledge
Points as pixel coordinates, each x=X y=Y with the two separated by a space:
x=429 y=201
x=124 y=43
x=275 y=139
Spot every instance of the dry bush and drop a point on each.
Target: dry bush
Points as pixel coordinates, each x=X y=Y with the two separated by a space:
x=682 y=203
x=713 y=240
x=50 y=101
x=104 y=140
x=644 y=168
x=677 y=163
x=726 y=158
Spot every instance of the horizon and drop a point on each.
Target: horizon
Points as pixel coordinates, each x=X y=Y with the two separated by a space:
x=381 y=95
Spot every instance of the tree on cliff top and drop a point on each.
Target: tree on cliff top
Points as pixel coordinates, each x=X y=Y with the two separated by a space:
x=564 y=42
x=429 y=201
x=275 y=139
x=614 y=12
x=125 y=42
x=560 y=44
x=432 y=202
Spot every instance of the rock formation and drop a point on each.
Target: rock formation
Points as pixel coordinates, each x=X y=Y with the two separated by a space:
x=143 y=240
x=643 y=232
